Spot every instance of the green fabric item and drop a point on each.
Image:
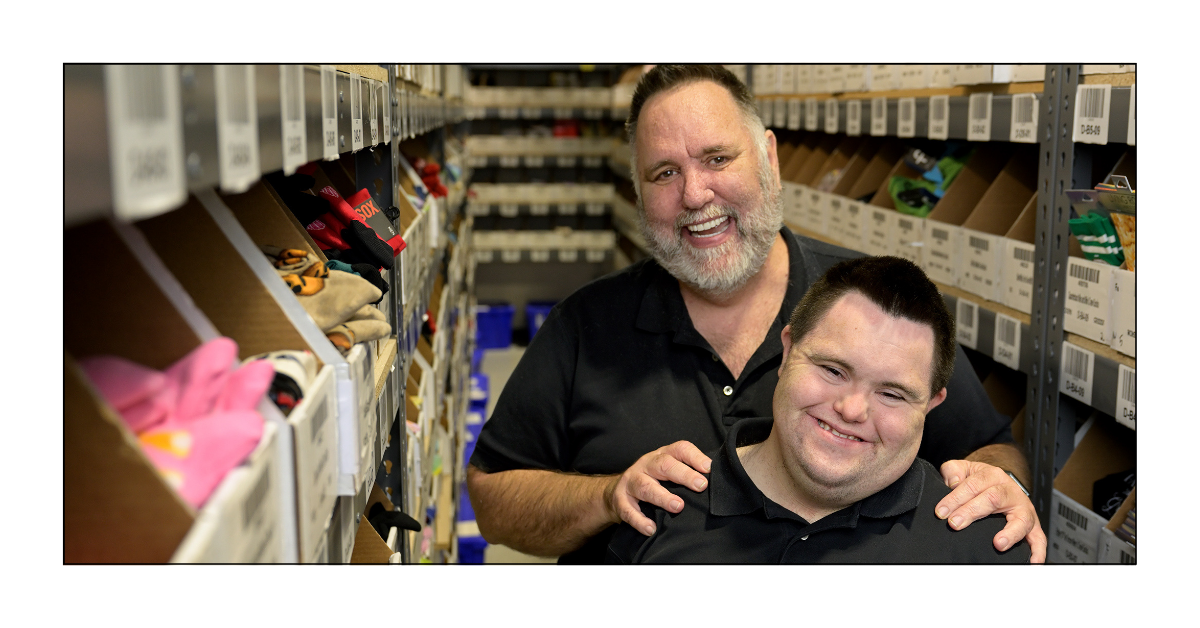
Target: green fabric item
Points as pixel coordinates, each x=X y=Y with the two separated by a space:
x=1098 y=238
x=342 y=266
x=950 y=167
x=897 y=186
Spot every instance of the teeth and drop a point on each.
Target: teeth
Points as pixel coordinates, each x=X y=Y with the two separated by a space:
x=704 y=226
x=825 y=426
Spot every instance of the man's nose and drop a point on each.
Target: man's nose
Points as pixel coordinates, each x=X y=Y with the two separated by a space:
x=697 y=191
x=852 y=405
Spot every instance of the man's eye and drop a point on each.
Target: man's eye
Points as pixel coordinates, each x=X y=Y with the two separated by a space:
x=832 y=371
x=663 y=175
x=892 y=396
x=719 y=160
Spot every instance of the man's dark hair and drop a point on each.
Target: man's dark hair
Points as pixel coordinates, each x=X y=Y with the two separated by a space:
x=661 y=78
x=899 y=287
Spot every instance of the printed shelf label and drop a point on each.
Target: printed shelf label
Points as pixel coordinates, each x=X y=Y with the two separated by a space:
x=939 y=117
x=966 y=323
x=1126 y=396
x=979 y=118
x=291 y=106
x=1024 y=119
x=854 y=118
x=145 y=130
x=1078 y=365
x=879 y=116
x=831 y=116
x=1092 y=104
x=1007 y=346
x=356 y=113
x=907 y=118
x=793 y=114
x=329 y=98
x=237 y=127
x=810 y=114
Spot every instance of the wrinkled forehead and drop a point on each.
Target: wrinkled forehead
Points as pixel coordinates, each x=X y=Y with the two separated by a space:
x=691 y=105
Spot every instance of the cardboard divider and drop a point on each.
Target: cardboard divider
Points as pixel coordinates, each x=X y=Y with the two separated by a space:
x=943 y=225
x=983 y=245
x=791 y=168
x=899 y=169
x=1016 y=284
x=369 y=547
x=857 y=164
x=877 y=169
x=807 y=173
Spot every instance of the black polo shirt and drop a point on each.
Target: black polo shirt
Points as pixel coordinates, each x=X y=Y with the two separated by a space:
x=733 y=522
x=618 y=370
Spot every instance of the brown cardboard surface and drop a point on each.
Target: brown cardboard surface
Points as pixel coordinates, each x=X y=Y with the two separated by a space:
x=1105 y=449
x=857 y=164
x=116 y=508
x=408 y=213
x=971 y=184
x=816 y=159
x=265 y=219
x=1008 y=194
x=383 y=365
x=838 y=158
x=368 y=547
x=1006 y=389
x=789 y=169
x=783 y=150
x=1116 y=80
x=899 y=169
x=1127 y=167
x=443 y=525
x=376 y=72
x=877 y=169
x=1024 y=228
x=331 y=173
x=220 y=282
x=426 y=350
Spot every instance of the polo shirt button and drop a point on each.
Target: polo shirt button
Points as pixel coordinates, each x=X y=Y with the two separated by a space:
x=728 y=390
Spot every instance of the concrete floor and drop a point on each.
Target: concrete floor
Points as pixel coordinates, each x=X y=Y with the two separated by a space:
x=498 y=364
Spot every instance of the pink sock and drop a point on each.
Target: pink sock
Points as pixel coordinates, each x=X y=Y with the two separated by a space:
x=246 y=386
x=201 y=377
x=142 y=396
x=195 y=457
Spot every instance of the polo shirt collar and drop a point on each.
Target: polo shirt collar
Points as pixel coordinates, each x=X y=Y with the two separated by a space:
x=732 y=492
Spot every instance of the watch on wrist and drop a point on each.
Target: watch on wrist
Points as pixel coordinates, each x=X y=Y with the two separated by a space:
x=1014 y=479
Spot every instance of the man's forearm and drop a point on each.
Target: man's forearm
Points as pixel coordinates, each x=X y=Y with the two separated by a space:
x=1007 y=457
x=545 y=513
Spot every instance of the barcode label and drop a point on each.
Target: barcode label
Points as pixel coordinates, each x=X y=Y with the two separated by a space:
x=854 y=118
x=793 y=114
x=906 y=225
x=1023 y=255
x=1072 y=516
x=979 y=118
x=939 y=117
x=907 y=119
x=1080 y=271
x=254 y=501
x=295 y=138
x=1091 y=113
x=939 y=234
x=978 y=243
x=237 y=127
x=967 y=323
x=329 y=97
x=145 y=131
x=879 y=116
x=1132 y=117
x=356 y=113
x=1126 y=410
x=374 y=112
x=1077 y=367
x=811 y=114
x=1023 y=127
x=831 y=116
x=385 y=101
x=1007 y=346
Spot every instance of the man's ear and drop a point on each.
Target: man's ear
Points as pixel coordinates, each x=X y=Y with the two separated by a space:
x=786 y=337
x=773 y=154
x=936 y=400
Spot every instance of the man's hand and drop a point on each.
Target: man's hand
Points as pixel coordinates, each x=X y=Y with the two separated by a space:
x=677 y=462
x=981 y=489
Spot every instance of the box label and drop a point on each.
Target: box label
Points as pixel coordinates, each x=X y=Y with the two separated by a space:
x=879 y=116
x=1073 y=534
x=780 y=114
x=1123 y=335
x=145 y=130
x=876 y=232
x=835 y=217
x=979 y=118
x=1087 y=308
x=1126 y=396
x=854 y=225
x=939 y=117
x=356 y=112
x=1132 y=118
x=1078 y=365
x=329 y=98
x=941 y=256
x=237 y=127
x=1092 y=103
x=966 y=323
x=374 y=112
x=907 y=118
x=386 y=103
x=1018 y=276
x=810 y=114
x=854 y=118
x=980 y=269
x=831 y=116
x=291 y=107
x=816 y=212
x=766 y=110
x=1007 y=347
x=1024 y=119
x=909 y=237
x=793 y=114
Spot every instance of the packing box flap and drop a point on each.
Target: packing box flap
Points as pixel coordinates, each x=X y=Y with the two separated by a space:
x=970 y=185
x=816 y=159
x=1024 y=228
x=882 y=197
x=857 y=164
x=838 y=158
x=1008 y=194
x=796 y=160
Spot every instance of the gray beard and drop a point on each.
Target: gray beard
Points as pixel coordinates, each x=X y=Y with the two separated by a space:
x=719 y=272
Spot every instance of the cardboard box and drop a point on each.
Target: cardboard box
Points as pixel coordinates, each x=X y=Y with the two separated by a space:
x=314 y=436
x=884 y=78
x=855 y=225
x=983 y=74
x=1029 y=73
x=1074 y=531
x=857 y=78
x=908 y=237
x=943 y=226
x=1016 y=285
x=1109 y=69
x=877 y=238
x=941 y=75
x=251 y=512
x=878 y=168
x=1087 y=308
x=835 y=216
x=1123 y=330
x=914 y=76
x=1114 y=550
x=983 y=244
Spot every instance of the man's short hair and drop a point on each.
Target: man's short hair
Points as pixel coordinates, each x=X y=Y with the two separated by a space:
x=663 y=78
x=899 y=287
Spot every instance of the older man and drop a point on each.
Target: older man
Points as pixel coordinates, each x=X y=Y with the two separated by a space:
x=630 y=377
x=835 y=476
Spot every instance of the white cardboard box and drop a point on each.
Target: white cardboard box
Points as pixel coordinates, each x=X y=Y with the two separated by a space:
x=1017 y=286
x=877 y=237
x=884 y=77
x=1113 y=550
x=1029 y=73
x=1088 y=305
x=908 y=235
x=982 y=258
x=942 y=255
x=350 y=420
x=1123 y=331
x=855 y=220
x=835 y=217
x=816 y=212
x=941 y=75
x=857 y=78
x=972 y=74
x=314 y=436
x=1074 y=531
x=914 y=76
x=252 y=515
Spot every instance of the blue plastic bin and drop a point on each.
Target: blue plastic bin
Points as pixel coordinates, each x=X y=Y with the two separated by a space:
x=536 y=313
x=471 y=549
x=493 y=326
